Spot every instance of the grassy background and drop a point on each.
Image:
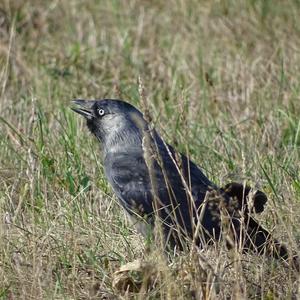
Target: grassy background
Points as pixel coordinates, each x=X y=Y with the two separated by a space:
x=222 y=80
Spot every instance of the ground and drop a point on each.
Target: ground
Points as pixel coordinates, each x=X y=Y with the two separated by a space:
x=221 y=79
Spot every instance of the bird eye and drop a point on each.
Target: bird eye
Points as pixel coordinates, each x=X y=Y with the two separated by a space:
x=101 y=112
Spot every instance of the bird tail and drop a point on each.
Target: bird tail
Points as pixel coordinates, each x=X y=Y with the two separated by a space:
x=259 y=240
x=255 y=237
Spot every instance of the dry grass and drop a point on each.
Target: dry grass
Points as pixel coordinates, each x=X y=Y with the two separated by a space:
x=223 y=82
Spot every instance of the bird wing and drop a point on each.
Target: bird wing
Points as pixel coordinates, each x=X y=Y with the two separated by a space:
x=171 y=186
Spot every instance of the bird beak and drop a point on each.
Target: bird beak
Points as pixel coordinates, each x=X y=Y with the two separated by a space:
x=84 y=108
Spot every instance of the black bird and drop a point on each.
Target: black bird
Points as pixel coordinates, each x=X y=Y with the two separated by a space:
x=156 y=184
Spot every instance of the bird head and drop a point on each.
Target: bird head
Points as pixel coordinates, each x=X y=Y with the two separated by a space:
x=113 y=122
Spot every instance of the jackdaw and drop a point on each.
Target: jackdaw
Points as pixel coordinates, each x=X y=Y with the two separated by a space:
x=157 y=185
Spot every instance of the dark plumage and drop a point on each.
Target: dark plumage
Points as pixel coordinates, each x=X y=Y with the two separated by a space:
x=154 y=182
x=240 y=192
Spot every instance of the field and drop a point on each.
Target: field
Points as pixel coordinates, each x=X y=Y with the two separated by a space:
x=222 y=81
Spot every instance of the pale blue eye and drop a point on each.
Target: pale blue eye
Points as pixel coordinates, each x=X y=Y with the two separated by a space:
x=101 y=112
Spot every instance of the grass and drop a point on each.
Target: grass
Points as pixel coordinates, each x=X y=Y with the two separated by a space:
x=222 y=80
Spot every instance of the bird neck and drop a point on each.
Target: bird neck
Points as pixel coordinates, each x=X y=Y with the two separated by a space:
x=122 y=140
